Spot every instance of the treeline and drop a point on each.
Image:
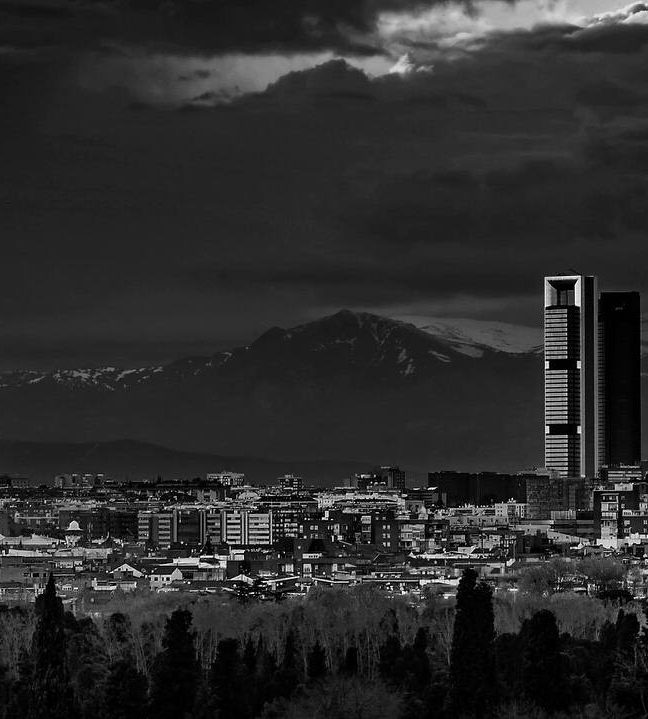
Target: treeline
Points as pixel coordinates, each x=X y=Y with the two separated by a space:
x=338 y=654
x=604 y=575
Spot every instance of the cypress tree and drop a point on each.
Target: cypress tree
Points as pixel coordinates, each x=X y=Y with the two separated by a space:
x=51 y=695
x=18 y=704
x=627 y=630
x=417 y=663
x=391 y=660
x=88 y=666
x=228 y=675
x=267 y=679
x=624 y=685
x=542 y=675
x=208 y=547
x=508 y=659
x=472 y=670
x=390 y=651
x=350 y=663
x=317 y=662
x=250 y=657
x=288 y=676
x=4 y=690
x=176 y=673
x=125 y=690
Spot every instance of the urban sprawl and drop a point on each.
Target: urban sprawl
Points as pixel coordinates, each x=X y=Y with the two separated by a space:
x=222 y=533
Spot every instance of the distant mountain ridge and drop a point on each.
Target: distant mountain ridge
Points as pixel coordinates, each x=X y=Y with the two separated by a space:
x=378 y=337
x=127 y=459
x=352 y=385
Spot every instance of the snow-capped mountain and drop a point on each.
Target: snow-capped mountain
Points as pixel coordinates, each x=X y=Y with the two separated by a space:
x=106 y=378
x=474 y=337
x=351 y=386
x=392 y=346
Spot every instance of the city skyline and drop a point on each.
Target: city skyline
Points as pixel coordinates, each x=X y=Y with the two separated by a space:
x=286 y=429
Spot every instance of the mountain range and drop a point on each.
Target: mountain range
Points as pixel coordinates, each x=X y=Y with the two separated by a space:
x=350 y=387
x=128 y=459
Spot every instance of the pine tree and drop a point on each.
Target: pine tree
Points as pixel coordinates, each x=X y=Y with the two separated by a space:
x=542 y=675
x=176 y=673
x=50 y=695
x=472 y=670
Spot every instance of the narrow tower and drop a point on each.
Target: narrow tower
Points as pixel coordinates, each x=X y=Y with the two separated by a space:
x=571 y=351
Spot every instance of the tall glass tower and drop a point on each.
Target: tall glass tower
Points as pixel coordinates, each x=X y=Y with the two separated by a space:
x=620 y=327
x=573 y=433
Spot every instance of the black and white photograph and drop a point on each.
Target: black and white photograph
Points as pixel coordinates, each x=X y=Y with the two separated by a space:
x=322 y=361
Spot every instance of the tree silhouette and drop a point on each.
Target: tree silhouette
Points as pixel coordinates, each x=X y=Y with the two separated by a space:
x=125 y=690
x=472 y=666
x=267 y=678
x=288 y=675
x=176 y=673
x=625 y=681
x=317 y=662
x=417 y=663
x=18 y=703
x=350 y=663
x=390 y=652
x=50 y=695
x=542 y=667
x=232 y=694
x=208 y=547
x=627 y=630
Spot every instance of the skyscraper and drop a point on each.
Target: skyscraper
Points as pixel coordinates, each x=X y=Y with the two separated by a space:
x=620 y=327
x=571 y=345
x=592 y=351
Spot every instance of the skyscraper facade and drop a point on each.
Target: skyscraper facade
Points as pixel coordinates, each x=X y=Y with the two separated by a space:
x=592 y=376
x=620 y=328
x=571 y=345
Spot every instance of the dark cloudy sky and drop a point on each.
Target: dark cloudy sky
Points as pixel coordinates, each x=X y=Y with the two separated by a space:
x=178 y=175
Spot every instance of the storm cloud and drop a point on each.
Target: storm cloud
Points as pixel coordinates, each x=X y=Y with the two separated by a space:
x=208 y=25
x=150 y=208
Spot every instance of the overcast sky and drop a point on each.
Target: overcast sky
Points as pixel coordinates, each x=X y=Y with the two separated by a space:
x=178 y=176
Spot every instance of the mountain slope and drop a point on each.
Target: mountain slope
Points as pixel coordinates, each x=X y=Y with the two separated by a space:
x=474 y=337
x=351 y=385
